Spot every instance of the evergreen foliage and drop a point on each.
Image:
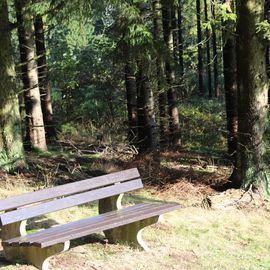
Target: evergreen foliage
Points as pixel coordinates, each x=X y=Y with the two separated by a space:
x=134 y=67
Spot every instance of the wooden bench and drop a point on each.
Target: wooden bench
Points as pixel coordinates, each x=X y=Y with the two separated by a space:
x=120 y=224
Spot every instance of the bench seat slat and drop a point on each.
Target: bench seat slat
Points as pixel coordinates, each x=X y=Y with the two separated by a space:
x=67 y=189
x=116 y=220
x=52 y=206
x=90 y=225
x=68 y=228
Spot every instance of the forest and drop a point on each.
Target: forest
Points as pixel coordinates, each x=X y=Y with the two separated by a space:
x=177 y=88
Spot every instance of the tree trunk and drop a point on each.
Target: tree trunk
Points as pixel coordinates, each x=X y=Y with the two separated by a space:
x=43 y=78
x=35 y=124
x=267 y=59
x=148 y=135
x=208 y=55
x=253 y=88
x=267 y=55
x=174 y=22
x=161 y=73
x=215 y=55
x=131 y=91
x=230 y=85
x=199 y=42
x=11 y=147
x=174 y=123
x=142 y=134
x=180 y=39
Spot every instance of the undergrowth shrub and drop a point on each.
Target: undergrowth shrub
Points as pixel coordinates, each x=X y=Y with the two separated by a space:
x=203 y=124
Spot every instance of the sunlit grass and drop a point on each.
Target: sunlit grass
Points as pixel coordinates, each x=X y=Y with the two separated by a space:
x=189 y=238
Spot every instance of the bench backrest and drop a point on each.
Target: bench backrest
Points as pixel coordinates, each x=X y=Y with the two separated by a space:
x=68 y=195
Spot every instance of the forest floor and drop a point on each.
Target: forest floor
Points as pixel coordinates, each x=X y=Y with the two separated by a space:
x=213 y=230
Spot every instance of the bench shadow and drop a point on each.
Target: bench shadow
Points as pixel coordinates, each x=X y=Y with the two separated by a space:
x=136 y=199
x=90 y=239
x=40 y=222
x=3 y=262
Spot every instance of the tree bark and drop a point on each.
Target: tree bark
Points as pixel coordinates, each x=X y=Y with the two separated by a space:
x=161 y=73
x=180 y=39
x=147 y=129
x=174 y=25
x=199 y=42
x=131 y=92
x=230 y=85
x=174 y=123
x=267 y=55
x=11 y=147
x=253 y=85
x=208 y=55
x=34 y=117
x=215 y=55
x=43 y=78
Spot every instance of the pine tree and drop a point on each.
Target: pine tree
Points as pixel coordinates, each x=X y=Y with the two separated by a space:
x=252 y=169
x=43 y=78
x=230 y=81
x=34 y=116
x=11 y=148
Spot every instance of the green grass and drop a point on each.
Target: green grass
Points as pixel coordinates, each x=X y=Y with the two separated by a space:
x=189 y=238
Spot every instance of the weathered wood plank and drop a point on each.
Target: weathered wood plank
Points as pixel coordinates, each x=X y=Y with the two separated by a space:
x=90 y=223
x=65 y=227
x=120 y=221
x=52 y=206
x=67 y=189
x=102 y=222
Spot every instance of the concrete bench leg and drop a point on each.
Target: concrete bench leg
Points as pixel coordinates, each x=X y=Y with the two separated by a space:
x=110 y=204
x=131 y=234
x=36 y=256
x=13 y=230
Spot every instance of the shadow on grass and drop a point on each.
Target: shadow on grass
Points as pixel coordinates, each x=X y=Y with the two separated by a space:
x=90 y=239
x=40 y=222
x=195 y=156
x=3 y=262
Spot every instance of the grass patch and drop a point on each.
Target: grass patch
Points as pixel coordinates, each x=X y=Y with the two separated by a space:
x=189 y=238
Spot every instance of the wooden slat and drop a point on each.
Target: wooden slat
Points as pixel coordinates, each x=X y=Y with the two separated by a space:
x=59 y=204
x=120 y=220
x=66 y=227
x=94 y=224
x=67 y=189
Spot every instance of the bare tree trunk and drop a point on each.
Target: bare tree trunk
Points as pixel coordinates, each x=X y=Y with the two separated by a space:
x=230 y=85
x=208 y=55
x=252 y=169
x=267 y=55
x=147 y=129
x=267 y=59
x=180 y=39
x=199 y=42
x=43 y=77
x=35 y=124
x=142 y=135
x=131 y=91
x=11 y=147
x=215 y=55
x=161 y=73
x=174 y=24
x=174 y=122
